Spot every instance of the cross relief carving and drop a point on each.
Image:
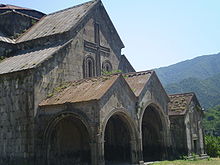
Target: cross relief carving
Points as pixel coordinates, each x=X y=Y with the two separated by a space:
x=96 y=48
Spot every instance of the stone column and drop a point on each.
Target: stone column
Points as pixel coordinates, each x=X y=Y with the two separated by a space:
x=201 y=139
x=140 y=150
x=100 y=151
x=134 y=151
x=93 y=153
x=189 y=139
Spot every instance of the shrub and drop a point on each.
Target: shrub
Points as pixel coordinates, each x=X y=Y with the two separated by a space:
x=212 y=146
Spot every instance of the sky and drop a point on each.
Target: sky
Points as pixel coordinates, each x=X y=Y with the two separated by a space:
x=155 y=33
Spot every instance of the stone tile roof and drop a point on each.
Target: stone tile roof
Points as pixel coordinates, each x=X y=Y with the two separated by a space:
x=19 y=13
x=179 y=103
x=81 y=91
x=137 y=80
x=12 y=7
x=58 y=22
x=28 y=59
x=4 y=38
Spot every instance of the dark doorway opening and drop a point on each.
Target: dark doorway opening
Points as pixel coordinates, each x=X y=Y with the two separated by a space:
x=152 y=139
x=117 y=141
x=69 y=143
x=195 y=146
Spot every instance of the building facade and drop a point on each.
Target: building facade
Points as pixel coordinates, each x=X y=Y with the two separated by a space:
x=61 y=101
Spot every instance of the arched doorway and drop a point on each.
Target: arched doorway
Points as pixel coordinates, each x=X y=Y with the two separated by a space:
x=152 y=138
x=69 y=143
x=117 y=141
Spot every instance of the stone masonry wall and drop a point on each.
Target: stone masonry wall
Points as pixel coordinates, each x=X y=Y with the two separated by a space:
x=67 y=64
x=16 y=118
x=178 y=135
x=14 y=24
x=154 y=92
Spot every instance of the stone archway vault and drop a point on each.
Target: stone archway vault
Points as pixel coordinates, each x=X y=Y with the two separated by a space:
x=68 y=142
x=153 y=129
x=120 y=139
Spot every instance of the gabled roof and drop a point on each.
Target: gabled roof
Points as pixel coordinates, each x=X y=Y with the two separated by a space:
x=179 y=103
x=12 y=7
x=58 y=22
x=19 y=13
x=137 y=80
x=31 y=12
x=28 y=59
x=81 y=91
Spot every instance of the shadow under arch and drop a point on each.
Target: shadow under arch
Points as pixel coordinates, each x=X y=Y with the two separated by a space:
x=67 y=139
x=120 y=137
x=153 y=128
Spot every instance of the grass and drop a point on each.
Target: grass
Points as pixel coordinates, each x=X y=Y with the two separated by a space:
x=211 y=161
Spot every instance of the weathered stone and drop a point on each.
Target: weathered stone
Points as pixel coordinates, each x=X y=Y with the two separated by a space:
x=58 y=106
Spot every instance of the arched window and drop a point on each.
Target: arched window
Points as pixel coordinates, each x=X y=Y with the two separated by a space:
x=106 y=66
x=89 y=67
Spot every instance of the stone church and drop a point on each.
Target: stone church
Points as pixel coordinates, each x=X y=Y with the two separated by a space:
x=63 y=101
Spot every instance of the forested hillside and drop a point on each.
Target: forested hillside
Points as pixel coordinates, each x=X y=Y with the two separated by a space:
x=207 y=91
x=200 y=75
x=200 y=67
x=212 y=121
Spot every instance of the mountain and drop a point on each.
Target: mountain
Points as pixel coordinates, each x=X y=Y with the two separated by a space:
x=207 y=90
x=200 y=67
x=200 y=75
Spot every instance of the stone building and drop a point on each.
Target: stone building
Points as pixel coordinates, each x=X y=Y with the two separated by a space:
x=186 y=116
x=58 y=103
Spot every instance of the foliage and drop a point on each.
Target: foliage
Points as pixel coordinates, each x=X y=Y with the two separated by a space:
x=58 y=89
x=111 y=72
x=200 y=75
x=212 y=146
x=211 y=121
x=2 y=58
x=207 y=91
x=200 y=67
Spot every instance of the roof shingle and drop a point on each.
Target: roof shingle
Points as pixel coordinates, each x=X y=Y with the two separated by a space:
x=137 y=81
x=81 y=90
x=58 y=22
x=179 y=103
x=28 y=59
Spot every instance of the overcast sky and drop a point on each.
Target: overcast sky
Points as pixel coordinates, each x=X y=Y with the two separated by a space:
x=156 y=33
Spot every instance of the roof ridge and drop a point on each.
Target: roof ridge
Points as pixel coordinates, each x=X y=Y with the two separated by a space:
x=23 y=34
x=93 y=78
x=10 y=11
x=8 y=6
x=186 y=93
x=14 y=11
x=28 y=36
x=138 y=73
x=71 y=7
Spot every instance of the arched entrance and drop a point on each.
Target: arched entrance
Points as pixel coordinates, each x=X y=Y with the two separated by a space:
x=69 y=143
x=152 y=138
x=117 y=147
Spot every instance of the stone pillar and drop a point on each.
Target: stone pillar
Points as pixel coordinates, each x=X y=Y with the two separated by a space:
x=201 y=139
x=134 y=151
x=100 y=151
x=93 y=153
x=140 y=150
x=189 y=139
